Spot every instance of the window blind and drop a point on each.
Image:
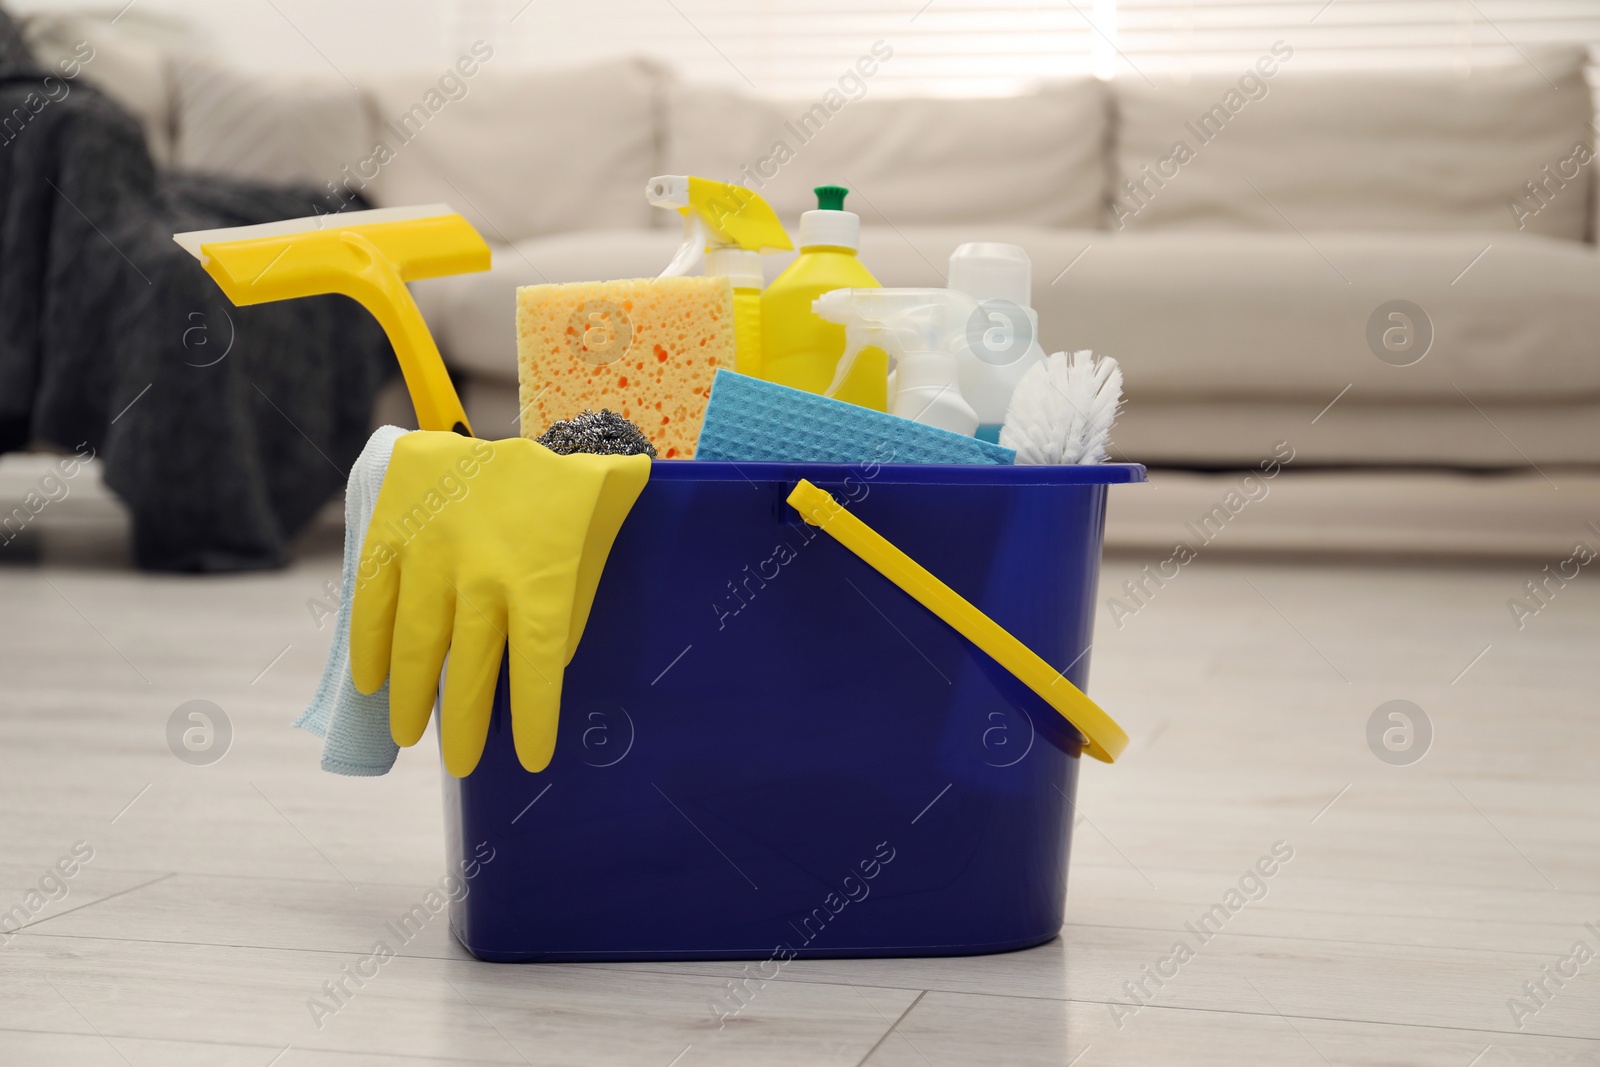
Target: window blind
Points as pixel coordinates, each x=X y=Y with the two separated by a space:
x=1180 y=35
x=799 y=48
x=795 y=48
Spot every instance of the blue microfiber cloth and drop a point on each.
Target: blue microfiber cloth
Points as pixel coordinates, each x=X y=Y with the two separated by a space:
x=751 y=421
x=354 y=725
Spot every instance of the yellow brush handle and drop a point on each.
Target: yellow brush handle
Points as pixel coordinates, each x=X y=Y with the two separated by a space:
x=1106 y=739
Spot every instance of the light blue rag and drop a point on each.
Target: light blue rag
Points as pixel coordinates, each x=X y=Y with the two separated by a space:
x=354 y=725
x=748 y=420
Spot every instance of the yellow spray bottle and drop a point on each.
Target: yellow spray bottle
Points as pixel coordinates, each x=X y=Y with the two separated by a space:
x=729 y=226
x=798 y=348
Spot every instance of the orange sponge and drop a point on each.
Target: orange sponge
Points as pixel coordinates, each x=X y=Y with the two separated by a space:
x=646 y=348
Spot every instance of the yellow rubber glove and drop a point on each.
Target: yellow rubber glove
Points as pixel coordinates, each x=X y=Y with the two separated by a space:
x=474 y=546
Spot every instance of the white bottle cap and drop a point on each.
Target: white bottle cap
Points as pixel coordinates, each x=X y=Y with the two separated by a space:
x=840 y=229
x=986 y=270
x=741 y=266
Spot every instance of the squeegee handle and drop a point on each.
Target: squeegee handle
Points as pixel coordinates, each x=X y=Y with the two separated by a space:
x=378 y=288
x=369 y=260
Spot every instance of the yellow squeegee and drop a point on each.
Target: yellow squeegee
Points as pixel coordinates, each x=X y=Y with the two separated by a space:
x=367 y=256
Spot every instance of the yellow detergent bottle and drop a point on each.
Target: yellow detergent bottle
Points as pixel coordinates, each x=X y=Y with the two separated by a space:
x=729 y=226
x=799 y=349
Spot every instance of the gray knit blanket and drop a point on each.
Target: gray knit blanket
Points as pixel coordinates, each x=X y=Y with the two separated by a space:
x=223 y=429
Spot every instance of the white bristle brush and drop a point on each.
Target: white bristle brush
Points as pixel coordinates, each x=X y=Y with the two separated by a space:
x=1063 y=409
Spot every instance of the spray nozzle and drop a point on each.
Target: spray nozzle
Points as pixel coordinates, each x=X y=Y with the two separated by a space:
x=914 y=326
x=716 y=215
x=900 y=321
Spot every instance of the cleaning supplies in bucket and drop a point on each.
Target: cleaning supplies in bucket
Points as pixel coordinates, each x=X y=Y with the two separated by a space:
x=493 y=552
x=799 y=349
x=1063 y=409
x=477 y=548
x=729 y=227
x=646 y=348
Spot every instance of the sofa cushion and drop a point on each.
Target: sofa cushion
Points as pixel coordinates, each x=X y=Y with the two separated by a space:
x=1036 y=158
x=269 y=129
x=1368 y=150
x=520 y=153
x=1513 y=317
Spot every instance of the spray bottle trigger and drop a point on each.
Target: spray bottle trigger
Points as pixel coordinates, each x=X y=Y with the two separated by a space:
x=693 y=248
x=855 y=339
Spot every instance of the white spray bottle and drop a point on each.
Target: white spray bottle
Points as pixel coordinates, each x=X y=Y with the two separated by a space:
x=996 y=346
x=919 y=329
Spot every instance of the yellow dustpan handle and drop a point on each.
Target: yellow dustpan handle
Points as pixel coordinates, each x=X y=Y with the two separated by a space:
x=1106 y=739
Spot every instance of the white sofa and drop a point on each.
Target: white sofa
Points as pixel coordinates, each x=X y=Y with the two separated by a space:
x=1237 y=282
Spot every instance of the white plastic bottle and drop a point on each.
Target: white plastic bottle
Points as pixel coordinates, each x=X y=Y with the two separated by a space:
x=998 y=343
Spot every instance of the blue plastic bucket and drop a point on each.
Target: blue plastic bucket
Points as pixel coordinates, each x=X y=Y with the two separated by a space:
x=767 y=750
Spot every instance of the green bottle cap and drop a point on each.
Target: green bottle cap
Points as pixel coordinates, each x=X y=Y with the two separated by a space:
x=830 y=197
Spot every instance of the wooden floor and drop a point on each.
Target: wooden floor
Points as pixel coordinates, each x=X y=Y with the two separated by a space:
x=1418 y=902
